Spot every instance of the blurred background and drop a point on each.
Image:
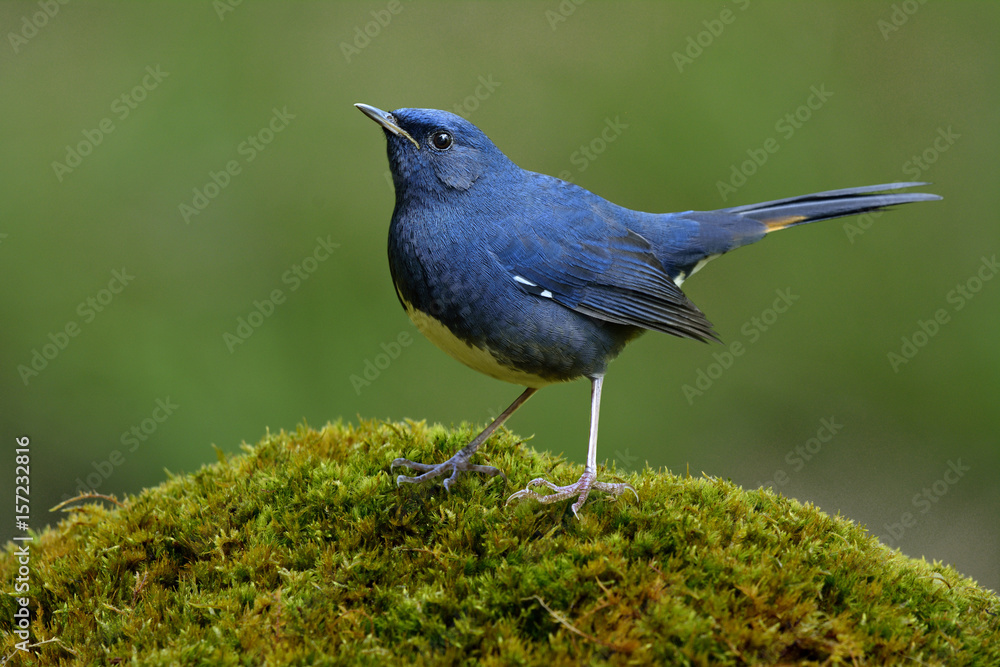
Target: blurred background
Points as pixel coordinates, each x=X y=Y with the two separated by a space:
x=193 y=238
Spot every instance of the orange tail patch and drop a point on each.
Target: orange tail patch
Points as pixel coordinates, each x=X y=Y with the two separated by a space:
x=780 y=223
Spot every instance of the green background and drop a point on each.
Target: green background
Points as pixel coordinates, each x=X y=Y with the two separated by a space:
x=553 y=86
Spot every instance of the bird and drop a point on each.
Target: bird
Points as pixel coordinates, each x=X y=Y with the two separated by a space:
x=534 y=280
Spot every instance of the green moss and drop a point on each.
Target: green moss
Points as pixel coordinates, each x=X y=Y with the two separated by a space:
x=303 y=551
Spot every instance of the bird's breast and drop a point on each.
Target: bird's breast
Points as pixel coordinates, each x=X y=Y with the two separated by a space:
x=476 y=357
x=456 y=292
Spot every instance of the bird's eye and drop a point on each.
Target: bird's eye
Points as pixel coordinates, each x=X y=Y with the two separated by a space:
x=441 y=140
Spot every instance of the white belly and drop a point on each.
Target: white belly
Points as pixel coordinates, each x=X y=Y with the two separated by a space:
x=474 y=357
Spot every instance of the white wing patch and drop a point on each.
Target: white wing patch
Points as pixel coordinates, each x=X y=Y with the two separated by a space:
x=542 y=293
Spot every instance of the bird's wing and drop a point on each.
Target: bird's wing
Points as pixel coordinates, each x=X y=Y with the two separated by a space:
x=597 y=267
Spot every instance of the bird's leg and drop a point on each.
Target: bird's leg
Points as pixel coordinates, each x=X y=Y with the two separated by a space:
x=460 y=461
x=588 y=480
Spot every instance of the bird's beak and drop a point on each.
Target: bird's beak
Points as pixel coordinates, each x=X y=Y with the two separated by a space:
x=386 y=120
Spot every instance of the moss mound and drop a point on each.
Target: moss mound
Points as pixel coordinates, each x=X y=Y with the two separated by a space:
x=303 y=551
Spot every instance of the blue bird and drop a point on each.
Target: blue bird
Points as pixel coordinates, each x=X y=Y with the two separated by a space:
x=533 y=280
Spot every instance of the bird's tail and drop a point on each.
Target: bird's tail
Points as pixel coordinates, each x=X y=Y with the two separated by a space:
x=782 y=213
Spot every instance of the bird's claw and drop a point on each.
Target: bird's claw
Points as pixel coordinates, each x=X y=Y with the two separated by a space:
x=454 y=465
x=579 y=489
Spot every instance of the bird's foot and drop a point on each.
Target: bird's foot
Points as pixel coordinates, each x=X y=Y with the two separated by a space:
x=456 y=464
x=579 y=489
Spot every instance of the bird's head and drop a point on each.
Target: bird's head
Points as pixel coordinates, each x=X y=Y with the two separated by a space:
x=435 y=150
